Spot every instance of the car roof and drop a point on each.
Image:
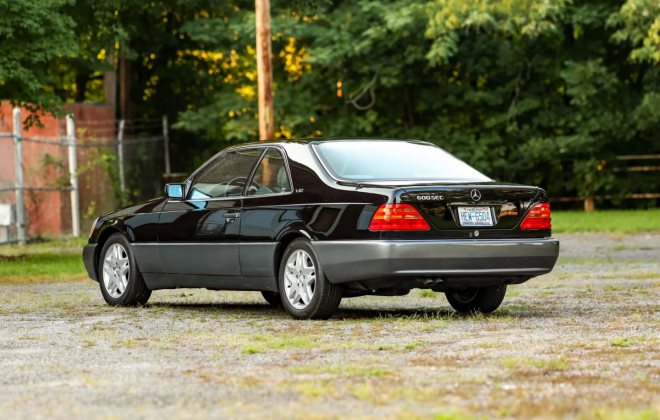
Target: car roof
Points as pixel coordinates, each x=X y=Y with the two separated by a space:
x=315 y=140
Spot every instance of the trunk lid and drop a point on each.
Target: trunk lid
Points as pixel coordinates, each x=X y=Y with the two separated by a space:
x=440 y=202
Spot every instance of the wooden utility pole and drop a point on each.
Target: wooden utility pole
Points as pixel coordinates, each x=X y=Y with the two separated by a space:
x=264 y=70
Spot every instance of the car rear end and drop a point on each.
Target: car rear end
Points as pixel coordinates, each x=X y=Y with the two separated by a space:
x=463 y=230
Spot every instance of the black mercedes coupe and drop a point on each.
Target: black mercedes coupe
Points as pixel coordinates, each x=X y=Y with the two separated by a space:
x=308 y=223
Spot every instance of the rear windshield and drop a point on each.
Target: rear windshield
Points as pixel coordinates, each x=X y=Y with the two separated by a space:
x=393 y=161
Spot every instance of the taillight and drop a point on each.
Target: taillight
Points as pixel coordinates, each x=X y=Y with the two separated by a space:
x=398 y=217
x=538 y=217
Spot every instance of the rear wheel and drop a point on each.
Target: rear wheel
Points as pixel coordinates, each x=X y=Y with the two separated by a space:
x=273 y=298
x=304 y=290
x=119 y=277
x=477 y=299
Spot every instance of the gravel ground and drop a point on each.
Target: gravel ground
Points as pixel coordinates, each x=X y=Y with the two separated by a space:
x=580 y=342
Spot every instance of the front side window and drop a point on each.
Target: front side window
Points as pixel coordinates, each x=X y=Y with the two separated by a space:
x=226 y=176
x=271 y=176
x=394 y=161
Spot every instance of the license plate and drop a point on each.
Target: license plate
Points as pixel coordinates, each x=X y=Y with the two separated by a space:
x=475 y=216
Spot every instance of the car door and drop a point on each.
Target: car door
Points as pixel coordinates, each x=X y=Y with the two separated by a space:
x=266 y=212
x=200 y=235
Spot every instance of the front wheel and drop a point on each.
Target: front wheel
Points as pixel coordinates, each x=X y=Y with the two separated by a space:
x=119 y=277
x=477 y=299
x=305 y=292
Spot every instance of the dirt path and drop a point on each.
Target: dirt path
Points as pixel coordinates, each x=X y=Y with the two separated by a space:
x=582 y=339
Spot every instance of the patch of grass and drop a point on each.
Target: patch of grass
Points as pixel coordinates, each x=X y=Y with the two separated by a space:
x=425 y=293
x=611 y=289
x=510 y=363
x=621 y=342
x=553 y=365
x=642 y=276
x=283 y=341
x=516 y=308
x=252 y=350
x=340 y=370
x=29 y=268
x=620 y=415
x=414 y=345
x=624 y=221
x=630 y=248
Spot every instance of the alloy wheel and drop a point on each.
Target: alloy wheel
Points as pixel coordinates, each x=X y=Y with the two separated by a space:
x=299 y=279
x=116 y=269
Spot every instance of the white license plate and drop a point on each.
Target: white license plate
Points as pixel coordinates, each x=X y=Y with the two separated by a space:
x=475 y=216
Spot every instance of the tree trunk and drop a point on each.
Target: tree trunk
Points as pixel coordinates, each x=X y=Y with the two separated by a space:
x=264 y=70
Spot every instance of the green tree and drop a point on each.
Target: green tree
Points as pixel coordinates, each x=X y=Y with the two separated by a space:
x=31 y=34
x=542 y=92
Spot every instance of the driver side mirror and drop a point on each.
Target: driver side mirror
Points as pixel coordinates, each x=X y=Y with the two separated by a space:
x=174 y=191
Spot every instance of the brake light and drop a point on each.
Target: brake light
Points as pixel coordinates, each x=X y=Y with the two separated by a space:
x=538 y=217
x=398 y=217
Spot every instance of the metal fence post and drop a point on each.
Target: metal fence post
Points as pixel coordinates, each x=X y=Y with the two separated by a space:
x=120 y=156
x=73 y=168
x=166 y=145
x=21 y=214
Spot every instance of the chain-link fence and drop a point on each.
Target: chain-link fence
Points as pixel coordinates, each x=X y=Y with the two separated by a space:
x=53 y=185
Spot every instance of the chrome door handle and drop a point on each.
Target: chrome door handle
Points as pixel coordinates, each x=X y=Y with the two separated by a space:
x=232 y=215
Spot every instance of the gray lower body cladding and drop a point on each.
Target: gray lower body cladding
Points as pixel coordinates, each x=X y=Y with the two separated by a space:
x=455 y=261
x=88 y=260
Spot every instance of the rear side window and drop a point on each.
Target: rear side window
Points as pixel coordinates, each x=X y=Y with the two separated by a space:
x=271 y=176
x=393 y=161
x=225 y=176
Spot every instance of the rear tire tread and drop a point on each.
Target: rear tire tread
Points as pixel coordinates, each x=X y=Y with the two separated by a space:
x=487 y=300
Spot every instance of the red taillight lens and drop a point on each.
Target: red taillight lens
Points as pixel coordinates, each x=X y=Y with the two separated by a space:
x=538 y=217
x=398 y=217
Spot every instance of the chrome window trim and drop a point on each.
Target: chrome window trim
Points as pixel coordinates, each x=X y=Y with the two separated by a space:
x=265 y=147
x=191 y=178
x=285 y=158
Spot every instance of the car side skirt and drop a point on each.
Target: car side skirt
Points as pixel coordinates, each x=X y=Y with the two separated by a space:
x=159 y=281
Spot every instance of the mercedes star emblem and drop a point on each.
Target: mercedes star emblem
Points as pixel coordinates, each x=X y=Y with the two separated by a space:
x=475 y=195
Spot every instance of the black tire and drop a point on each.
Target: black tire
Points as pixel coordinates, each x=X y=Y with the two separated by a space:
x=273 y=298
x=326 y=296
x=477 y=299
x=136 y=291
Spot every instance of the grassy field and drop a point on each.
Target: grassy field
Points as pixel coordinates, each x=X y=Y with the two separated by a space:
x=615 y=221
x=48 y=261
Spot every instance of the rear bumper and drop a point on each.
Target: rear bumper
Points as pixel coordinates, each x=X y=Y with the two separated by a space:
x=88 y=260
x=346 y=261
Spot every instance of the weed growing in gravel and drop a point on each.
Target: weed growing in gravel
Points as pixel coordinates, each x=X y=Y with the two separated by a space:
x=425 y=293
x=414 y=345
x=621 y=342
x=350 y=370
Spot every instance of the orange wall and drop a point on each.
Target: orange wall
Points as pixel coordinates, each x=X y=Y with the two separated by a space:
x=49 y=212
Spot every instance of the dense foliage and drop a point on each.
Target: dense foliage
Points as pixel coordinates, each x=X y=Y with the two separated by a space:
x=542 y=92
